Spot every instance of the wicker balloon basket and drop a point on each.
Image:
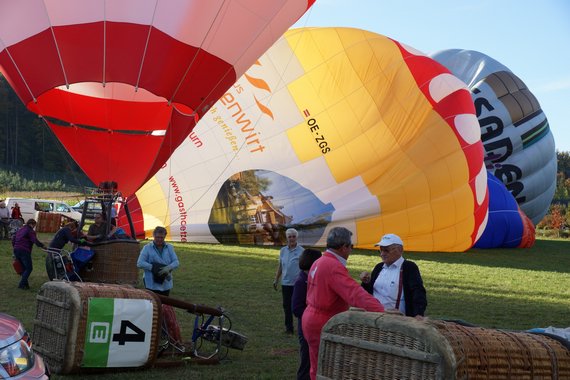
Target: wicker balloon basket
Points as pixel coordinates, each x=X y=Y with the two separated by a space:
x=360 y=345
x=114 y=262
x=86 y=326
x=48 y=221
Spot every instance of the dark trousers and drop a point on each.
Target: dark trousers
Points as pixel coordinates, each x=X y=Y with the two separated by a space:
x=25 y=258
x=5 y=226
x=287 y=292
x=161 y=292
x=303 y=373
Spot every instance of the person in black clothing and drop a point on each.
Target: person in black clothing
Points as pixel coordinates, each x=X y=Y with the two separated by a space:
x=66 y=234
x=299 y=304
x=98 y=231
x=396 y=282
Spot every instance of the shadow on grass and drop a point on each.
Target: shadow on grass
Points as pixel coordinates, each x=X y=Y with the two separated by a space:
x=485 y=303
x=496 y=311
x=545 y=255
x=248 y=274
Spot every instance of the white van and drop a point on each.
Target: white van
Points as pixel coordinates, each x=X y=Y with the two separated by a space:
x=29 y=206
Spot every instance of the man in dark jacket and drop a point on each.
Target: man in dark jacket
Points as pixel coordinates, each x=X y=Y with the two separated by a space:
x=396 y=282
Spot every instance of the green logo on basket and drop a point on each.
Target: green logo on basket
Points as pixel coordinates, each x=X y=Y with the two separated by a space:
x=97 y=337
x=118 y=332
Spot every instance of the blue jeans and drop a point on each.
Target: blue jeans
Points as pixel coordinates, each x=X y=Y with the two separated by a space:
x=5 y=228
x=25 y=258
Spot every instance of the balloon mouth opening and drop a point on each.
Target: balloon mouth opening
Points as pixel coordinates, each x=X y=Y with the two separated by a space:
x=113 y=90
x=87 y=105
x=117 y=91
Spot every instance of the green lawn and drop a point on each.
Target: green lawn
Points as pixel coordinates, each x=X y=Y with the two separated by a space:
x=510 y=289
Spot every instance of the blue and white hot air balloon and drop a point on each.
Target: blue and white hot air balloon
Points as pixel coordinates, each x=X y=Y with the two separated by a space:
x=519 y=147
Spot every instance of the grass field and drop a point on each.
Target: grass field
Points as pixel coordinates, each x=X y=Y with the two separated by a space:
x=510 y=289
x=69 y=198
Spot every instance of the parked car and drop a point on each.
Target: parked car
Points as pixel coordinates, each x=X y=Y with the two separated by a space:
x=93 y=208
x=29 y=207
x=17 y=360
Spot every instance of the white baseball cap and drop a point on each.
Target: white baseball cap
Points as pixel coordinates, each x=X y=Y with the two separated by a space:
x=389 y=239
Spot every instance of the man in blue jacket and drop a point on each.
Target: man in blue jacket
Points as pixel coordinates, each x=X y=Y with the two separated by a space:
x=158 y=260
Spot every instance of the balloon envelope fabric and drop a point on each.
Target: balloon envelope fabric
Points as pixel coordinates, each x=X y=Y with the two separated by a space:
x=122 y=83
x=331 y=127
x=519 y=146
x=507 y=226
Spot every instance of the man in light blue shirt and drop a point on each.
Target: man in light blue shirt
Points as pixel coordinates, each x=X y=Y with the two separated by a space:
x=288 y=270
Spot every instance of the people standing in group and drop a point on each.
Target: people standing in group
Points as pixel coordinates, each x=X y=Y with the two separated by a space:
x=331 y=290
x=288 y=270
x=4 y=221
x=23 y=242
x=68 y=233
x=396 y=282
x=299 y=304
x=158 y=260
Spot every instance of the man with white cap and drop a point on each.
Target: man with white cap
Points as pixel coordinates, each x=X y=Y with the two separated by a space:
x=396 y=282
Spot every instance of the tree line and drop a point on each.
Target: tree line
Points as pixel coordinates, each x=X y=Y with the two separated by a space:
x=556 y=223
x=31 y=157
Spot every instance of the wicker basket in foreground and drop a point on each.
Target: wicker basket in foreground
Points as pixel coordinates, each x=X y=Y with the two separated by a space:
x=73 y=330
x=114 y=262
x=360 y=345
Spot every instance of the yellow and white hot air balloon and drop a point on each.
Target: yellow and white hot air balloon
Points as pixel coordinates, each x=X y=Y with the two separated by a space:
x=331 y=127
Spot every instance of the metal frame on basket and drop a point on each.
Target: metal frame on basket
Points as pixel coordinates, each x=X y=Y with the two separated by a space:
x=209 y=332
x=205 y=329
x=106 y=195
x=57 y=256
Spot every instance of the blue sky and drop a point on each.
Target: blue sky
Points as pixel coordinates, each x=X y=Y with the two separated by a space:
x=531 y=38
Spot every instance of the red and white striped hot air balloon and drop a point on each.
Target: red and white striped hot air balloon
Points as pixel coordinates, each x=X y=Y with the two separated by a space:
x=121 y=83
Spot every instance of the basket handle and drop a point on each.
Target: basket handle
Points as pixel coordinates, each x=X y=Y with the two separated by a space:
x=190 y=307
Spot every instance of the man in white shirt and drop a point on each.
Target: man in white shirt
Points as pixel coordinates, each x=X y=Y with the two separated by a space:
x=396 y=282
x=4 y=221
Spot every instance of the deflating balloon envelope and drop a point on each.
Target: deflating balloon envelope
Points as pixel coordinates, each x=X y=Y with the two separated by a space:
x=519 y=147
x=507 y=226
x=330 y=127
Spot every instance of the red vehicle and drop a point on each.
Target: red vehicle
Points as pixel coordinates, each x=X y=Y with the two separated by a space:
x=17 y=360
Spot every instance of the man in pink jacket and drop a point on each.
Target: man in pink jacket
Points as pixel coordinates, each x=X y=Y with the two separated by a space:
x=331 y=290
